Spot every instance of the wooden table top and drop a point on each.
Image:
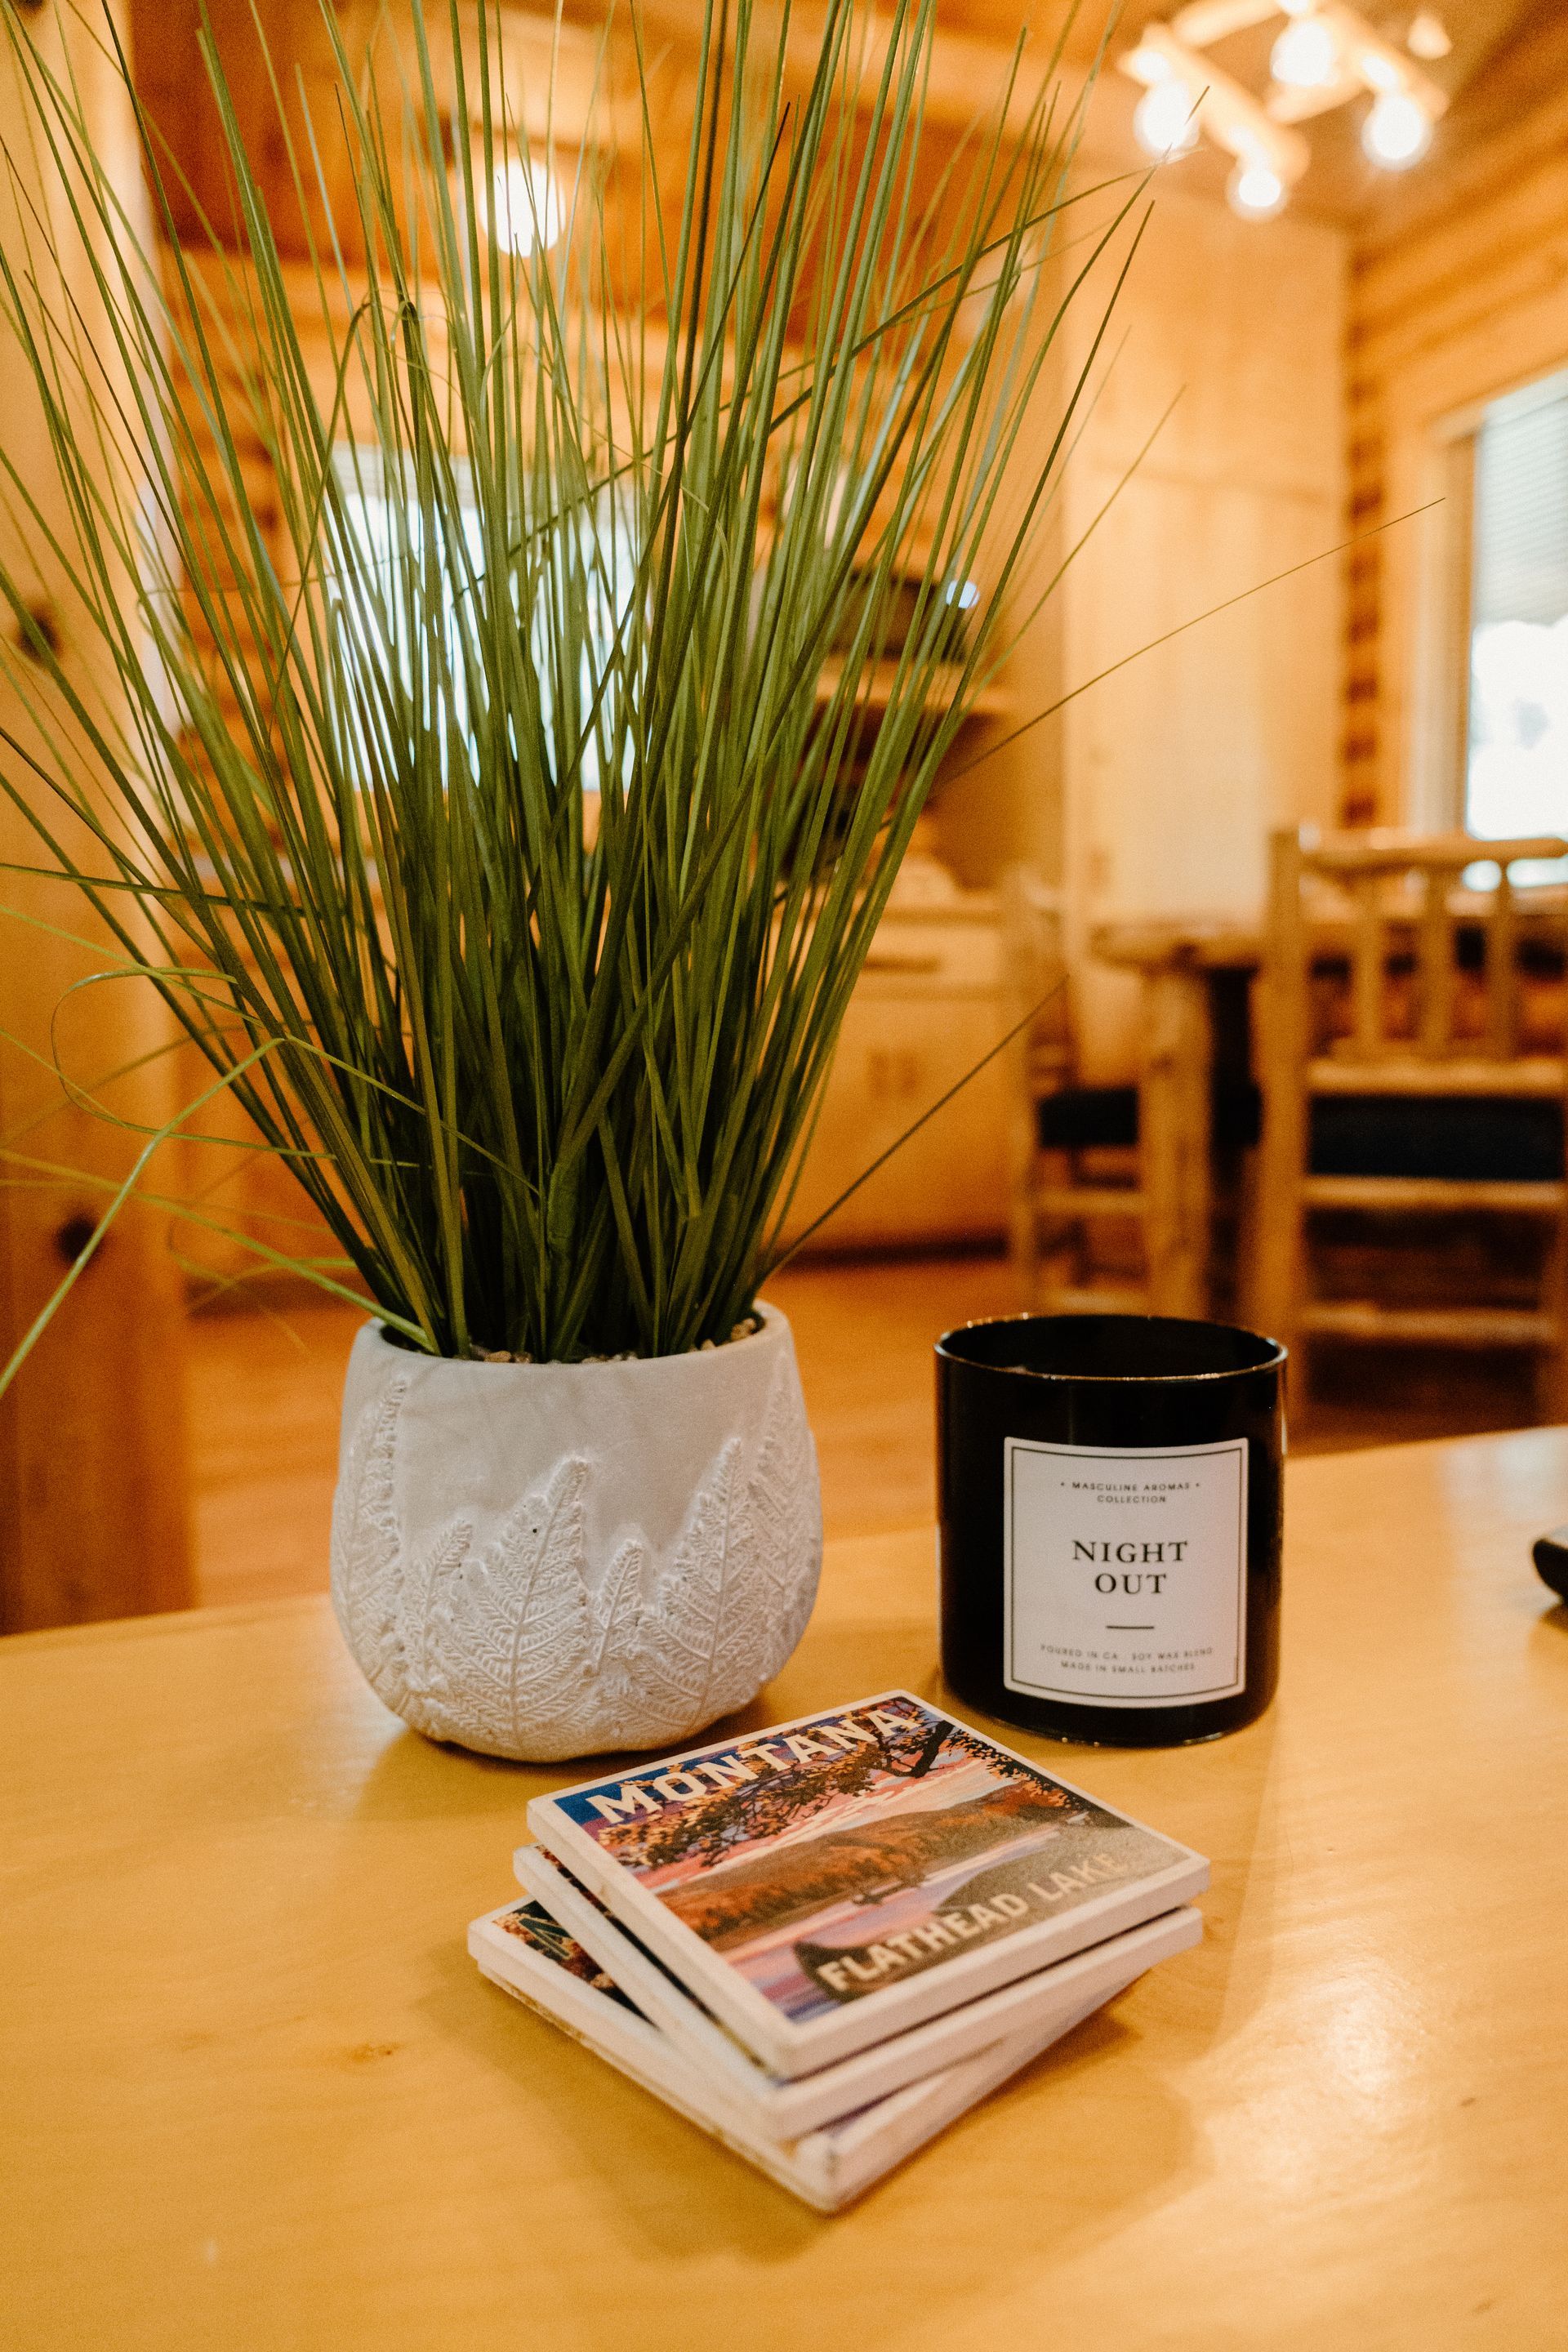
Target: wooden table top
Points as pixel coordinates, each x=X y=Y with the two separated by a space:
x=253 y=2092
x=1233 y=943
x=1152 y=943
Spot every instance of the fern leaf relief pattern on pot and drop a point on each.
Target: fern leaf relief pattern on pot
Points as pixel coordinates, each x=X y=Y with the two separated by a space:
x=544 y=1560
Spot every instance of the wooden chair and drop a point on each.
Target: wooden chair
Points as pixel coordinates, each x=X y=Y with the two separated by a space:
x=1072 y=1148
x=1403 y=1073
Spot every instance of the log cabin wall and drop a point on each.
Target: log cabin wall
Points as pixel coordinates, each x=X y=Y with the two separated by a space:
x=1458 y=291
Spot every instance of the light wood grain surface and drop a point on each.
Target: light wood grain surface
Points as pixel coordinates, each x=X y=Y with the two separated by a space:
x=254 y=2095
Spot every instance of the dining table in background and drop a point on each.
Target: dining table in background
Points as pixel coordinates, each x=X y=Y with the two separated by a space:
x=254 y=2093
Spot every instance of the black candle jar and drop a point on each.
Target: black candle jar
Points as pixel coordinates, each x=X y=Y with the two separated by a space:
x=1108 y=1509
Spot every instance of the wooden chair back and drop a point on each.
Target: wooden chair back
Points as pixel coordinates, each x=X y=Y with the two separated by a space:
x=1399 y=901
x=1385 y=973
x=1034 y=981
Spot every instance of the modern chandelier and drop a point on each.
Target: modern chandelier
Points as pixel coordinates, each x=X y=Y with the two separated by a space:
x=1326 y=56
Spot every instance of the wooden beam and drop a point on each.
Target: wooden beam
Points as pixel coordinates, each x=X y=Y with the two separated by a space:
x=1435 y=1195
x=1431 y=1327
x=92 y=1486
x=1539 y=1076
x=970 y=74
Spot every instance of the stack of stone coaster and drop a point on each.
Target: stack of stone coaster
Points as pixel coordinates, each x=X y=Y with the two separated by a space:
x=824 y=1942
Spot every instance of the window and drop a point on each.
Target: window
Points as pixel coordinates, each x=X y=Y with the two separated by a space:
x=1516 y=752
x=388 y=529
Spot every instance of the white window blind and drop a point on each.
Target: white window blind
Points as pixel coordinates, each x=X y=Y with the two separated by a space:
x=1517 y=766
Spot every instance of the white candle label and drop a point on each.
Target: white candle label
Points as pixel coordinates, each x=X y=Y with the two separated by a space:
x=1125 y=1572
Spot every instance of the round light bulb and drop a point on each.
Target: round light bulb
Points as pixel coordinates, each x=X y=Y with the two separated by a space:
x=525 y=208
x=1306 y=56
x=1147 y=65
x=1398 y=132
x=1256 y=191
x=1429 y=37
x=1166 y=122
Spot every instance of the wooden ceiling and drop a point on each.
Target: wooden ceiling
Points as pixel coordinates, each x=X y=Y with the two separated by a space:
x=1492 y=51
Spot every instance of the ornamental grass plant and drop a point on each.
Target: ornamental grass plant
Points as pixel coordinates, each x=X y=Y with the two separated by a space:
x=510 y=846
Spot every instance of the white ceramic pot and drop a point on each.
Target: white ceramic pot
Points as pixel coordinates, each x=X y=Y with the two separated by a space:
x=550 y=1560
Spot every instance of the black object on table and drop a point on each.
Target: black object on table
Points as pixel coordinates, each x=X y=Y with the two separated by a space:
x=1550 y=1557
x=1109 y=1522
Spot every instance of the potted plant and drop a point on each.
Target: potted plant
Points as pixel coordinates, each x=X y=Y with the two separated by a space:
x=505 y=825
